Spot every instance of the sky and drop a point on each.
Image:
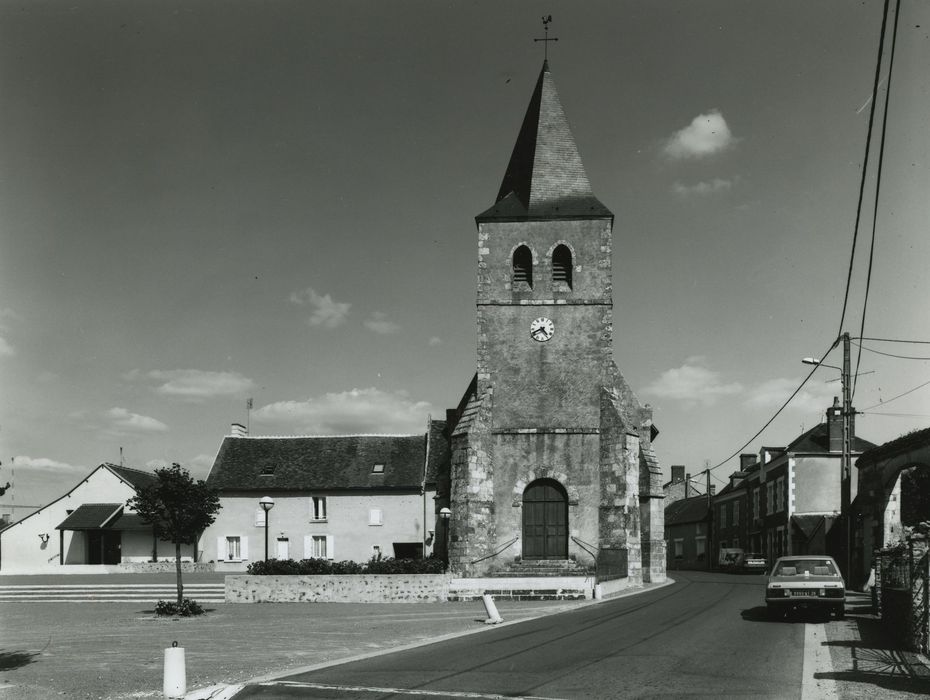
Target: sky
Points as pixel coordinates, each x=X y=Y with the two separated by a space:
x=206 y=202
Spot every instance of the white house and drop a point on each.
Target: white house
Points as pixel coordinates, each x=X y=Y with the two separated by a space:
x=347 y=497
x=87 y=530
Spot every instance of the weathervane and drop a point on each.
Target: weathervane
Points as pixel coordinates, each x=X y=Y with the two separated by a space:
x=546 y=40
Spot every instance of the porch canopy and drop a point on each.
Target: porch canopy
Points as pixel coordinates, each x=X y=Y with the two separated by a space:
x=91 y=516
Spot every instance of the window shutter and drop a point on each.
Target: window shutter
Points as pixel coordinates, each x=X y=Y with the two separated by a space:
x=330 y=552
x=260 y=517
x=221 y=549
x=308 y=546
x=244 y=547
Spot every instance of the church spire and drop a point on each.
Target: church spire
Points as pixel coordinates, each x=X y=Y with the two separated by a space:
x=545 y=177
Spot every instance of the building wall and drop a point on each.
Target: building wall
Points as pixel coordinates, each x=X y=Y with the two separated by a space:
x=351 y=537
x=684 y=547
x=21 y=549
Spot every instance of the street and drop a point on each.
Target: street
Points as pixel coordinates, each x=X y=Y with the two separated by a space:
x=705 y=635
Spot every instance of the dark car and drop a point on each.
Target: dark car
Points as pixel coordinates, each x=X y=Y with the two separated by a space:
x=808 y=582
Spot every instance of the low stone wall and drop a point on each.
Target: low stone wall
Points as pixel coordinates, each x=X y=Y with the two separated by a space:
x=367 y=588
x=157 y=567
x=523 y=588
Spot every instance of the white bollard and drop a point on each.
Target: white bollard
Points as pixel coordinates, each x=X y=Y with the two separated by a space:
x=598 y=592
x=175 y=682
x=491 y=609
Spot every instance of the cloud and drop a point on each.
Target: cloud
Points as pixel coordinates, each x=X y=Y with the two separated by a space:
x=356 y=411
x=692 y=383
x=123 y=421
x=198 y=466
x=379 y=324
x=6 y=350
x=772 y=393
x=326 y=312
x=43 y=464
x=702 y=189
x=434 y=341
x=199 y=384
x=707 y=134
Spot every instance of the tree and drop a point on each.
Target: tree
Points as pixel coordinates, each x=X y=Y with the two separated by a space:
x=178 y=508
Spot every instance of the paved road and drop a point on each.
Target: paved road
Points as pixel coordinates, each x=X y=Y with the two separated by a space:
x=705 y=635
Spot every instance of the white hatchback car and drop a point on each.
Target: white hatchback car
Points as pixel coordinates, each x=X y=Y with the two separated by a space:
x=808 y=581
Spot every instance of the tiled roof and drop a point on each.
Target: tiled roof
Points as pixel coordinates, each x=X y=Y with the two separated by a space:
x=319 y=463
x=129 y=521
x=545 y=176
x=440 y=454
x=90 y=516
x=136 y=478
x=817 y=440
x=687 y=510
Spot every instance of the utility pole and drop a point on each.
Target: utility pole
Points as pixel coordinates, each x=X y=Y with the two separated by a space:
x=846 y=466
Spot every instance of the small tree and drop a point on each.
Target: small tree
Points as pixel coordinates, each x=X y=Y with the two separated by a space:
x=178 y=509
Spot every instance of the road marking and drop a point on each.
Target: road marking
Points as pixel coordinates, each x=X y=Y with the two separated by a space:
x=399 y=691
x=817 y=661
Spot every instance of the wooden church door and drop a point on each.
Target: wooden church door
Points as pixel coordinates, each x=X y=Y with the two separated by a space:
x=545 y=521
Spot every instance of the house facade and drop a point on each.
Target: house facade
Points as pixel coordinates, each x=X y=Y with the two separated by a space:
x=87 y=530
x=688 y=524
x=350 y=497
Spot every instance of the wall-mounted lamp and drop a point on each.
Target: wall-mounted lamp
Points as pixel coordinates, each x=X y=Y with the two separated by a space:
x=44 y=537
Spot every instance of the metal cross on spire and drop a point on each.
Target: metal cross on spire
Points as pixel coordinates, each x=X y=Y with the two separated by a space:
x=546 y=39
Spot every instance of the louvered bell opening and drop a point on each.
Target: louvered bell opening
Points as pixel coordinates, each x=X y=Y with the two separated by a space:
x=562 y=265
x=523 y=265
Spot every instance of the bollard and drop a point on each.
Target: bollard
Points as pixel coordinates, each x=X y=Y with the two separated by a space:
x=598 y=592
x=491 y=609
x=175 y=683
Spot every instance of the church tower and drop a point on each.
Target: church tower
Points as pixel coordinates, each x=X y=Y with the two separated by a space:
x=551 y=450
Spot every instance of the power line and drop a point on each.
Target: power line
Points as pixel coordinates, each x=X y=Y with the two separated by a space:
x=865 y=162
x=897 y=415
x=909 y=391
x=770 y=420
x=888 y=354
x=894 y=340
x=878 y=186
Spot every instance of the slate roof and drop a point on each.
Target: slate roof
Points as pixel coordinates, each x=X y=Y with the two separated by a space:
x=545 y=176
x=319 y=463
x=687 y=510
x=90 y=516
x=136 y=478
x=817 y=440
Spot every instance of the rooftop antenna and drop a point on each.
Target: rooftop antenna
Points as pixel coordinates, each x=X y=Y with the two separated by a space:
x=546 y=20
x=121 y=455
x=248 y=416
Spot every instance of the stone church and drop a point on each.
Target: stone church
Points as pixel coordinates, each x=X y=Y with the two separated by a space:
x=552 y=465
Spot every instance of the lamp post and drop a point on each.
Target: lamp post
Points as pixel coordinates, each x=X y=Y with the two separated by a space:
x=267 y=503
x=846 y=459
x=445 y=514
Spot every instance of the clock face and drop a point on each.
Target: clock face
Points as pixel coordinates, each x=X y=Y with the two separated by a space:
x=541 y=329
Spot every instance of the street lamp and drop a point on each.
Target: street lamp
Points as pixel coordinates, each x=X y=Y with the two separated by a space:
x=267 y=503
x=846 y=460
x=445 y=514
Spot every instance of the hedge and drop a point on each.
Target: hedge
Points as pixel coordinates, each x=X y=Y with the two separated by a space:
x=325 y=567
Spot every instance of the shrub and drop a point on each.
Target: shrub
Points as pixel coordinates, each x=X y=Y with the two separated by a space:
x=324 y=567
x=170 y=608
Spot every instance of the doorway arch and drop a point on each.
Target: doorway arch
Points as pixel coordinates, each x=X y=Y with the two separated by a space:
x=545 y=520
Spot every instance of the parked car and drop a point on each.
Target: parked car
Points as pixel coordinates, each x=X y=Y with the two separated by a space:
x=809 y=581
x=754 y=564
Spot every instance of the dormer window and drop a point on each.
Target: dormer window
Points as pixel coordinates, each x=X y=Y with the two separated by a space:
x=523 y=266
x=562 y=265
x=377 y=469
x=267 y=470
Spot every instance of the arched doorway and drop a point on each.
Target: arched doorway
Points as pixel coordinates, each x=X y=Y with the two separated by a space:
x=545 y=520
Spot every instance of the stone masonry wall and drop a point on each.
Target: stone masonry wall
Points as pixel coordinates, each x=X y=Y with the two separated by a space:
x=394 y=588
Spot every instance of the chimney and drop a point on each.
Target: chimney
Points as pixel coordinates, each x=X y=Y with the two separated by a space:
x=238 y=430
x=678 y=473
x=746 y=460
x=835 y=426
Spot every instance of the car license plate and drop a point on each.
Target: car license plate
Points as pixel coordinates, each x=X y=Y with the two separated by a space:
x=802 y=594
